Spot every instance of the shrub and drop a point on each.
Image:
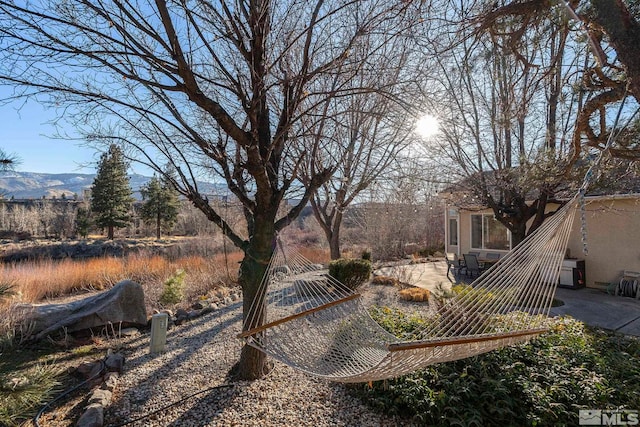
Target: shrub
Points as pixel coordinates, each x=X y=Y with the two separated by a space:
x=385 y=281
x=405 y=326
x=366 y=255
x=22 y=393
x=173 y=289
x=415 y=294
x=350 y=272
x=544 y=382
x=6 y=291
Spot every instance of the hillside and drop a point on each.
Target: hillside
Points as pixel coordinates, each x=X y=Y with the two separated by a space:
x=34 y=185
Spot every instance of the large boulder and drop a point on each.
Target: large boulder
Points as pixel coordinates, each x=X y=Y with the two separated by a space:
x=124 y=303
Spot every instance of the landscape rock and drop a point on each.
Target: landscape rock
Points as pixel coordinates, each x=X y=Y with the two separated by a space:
x=114 y=363
x=197 y=306
x=123 y=303
x=89 y=369
x=201 y=354
x=101 y=397
x=220 y=293
x=93 y=416
x=129 y=332
x=110 y=381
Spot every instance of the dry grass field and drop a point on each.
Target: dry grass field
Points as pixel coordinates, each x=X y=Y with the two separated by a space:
x=209 y=270
x=44 y=280
x=47 y=279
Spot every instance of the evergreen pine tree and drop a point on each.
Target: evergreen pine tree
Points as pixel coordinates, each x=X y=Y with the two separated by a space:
x=83 y=222
x=160 y=205
x=7 y=161
x=111 y=195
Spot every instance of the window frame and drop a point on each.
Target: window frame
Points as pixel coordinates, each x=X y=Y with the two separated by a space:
x=482 y=231
x=456 y=228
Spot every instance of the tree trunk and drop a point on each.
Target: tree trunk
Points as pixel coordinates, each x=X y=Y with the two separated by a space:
x=518 y=233
x=252 y=364
x=334 y=245
x=334 y=238
x=110 y=232
x=158 y=226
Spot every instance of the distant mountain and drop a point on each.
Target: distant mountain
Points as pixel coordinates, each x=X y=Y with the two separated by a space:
x=33 y=185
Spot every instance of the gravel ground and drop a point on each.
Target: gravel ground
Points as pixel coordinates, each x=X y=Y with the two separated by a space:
x=198 y=356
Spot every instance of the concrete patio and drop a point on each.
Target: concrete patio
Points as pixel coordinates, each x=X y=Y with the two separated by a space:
x=592 y=306
x=597 y=308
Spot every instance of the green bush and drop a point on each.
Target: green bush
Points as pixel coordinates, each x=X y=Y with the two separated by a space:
x=173 y=291
x=544 y=382
x=405 y=326
x=350 y=272
x=22 y=393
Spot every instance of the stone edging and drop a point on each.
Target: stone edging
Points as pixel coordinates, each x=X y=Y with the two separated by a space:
x=100 y=397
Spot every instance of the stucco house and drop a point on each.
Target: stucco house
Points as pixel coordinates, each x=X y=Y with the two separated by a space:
x=613 y=238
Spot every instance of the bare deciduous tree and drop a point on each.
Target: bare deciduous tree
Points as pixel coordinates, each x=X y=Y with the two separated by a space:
x=506 y=115
x=403 y=214
x=219 y=90
x=368 y=140
x=613 y=33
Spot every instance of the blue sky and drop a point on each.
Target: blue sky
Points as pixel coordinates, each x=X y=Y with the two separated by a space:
x=26 y=133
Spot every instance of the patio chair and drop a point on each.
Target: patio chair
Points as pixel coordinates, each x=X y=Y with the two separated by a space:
x=471 y=264
x=493 y=256
x=454 y=263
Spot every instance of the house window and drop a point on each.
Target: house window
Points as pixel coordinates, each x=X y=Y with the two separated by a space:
x=453 y=231
x=489 y=233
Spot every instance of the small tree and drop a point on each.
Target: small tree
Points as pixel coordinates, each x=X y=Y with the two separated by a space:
x=83 y=222
x=111 y=193
x=7 y=164
x=161 y=204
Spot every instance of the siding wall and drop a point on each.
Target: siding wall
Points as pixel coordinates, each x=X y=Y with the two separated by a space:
x=613 y=239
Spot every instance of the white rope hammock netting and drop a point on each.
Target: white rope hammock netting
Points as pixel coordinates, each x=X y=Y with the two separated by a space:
x=313 y=323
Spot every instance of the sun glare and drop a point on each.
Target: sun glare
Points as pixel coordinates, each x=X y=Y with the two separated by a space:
x=427 y=126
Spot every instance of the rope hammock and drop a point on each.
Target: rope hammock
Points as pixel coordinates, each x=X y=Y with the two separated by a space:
x=312 y=322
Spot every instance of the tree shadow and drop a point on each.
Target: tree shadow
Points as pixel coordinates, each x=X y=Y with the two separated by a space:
x=182 y=346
